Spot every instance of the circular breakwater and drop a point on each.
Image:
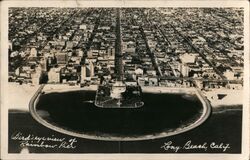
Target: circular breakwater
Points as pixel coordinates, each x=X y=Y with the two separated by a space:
x=163 y=114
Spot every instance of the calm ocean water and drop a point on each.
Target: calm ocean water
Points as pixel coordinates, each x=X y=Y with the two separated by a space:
x=75 y=112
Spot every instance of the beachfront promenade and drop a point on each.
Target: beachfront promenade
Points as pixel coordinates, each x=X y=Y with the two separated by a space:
x=205 y=114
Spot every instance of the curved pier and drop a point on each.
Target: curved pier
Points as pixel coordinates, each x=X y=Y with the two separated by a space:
x=205 y=114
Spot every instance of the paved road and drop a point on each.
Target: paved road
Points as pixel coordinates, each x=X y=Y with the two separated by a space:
x=118 y=50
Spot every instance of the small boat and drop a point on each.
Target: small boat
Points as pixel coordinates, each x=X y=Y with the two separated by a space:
x=88 y=101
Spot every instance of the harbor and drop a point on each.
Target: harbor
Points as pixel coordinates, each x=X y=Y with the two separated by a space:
x=199 y=110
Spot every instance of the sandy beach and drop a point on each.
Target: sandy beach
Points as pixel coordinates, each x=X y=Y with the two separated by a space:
x=232 y=97
x=149 y=89
x=20 y=95
x=49 y=88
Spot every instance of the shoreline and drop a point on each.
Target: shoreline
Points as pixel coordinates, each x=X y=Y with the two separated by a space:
x=51 y=88
x=233 y=98
x=149 y=89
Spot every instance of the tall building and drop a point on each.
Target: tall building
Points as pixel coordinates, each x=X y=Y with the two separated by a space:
x=92 y=71
x=188 y=58
x=36 y=75
x=83 y=73
x=80 y=54
x=229 y=74
x=61 y=58
x=184 y=70
x=33 y=52
x=54 y=75
x=44 y=64
x=83 y=26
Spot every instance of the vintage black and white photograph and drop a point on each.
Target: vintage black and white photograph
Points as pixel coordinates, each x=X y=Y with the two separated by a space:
x=125 y=80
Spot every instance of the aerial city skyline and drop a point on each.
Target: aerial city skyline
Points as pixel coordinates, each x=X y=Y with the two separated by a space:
x=173 y=47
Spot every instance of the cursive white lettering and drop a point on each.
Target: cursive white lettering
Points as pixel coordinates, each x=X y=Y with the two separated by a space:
x=30 y=140
x=39 y=145
x=69 y=144
x=189 y=145
x=169 y=146
x=222 y=146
